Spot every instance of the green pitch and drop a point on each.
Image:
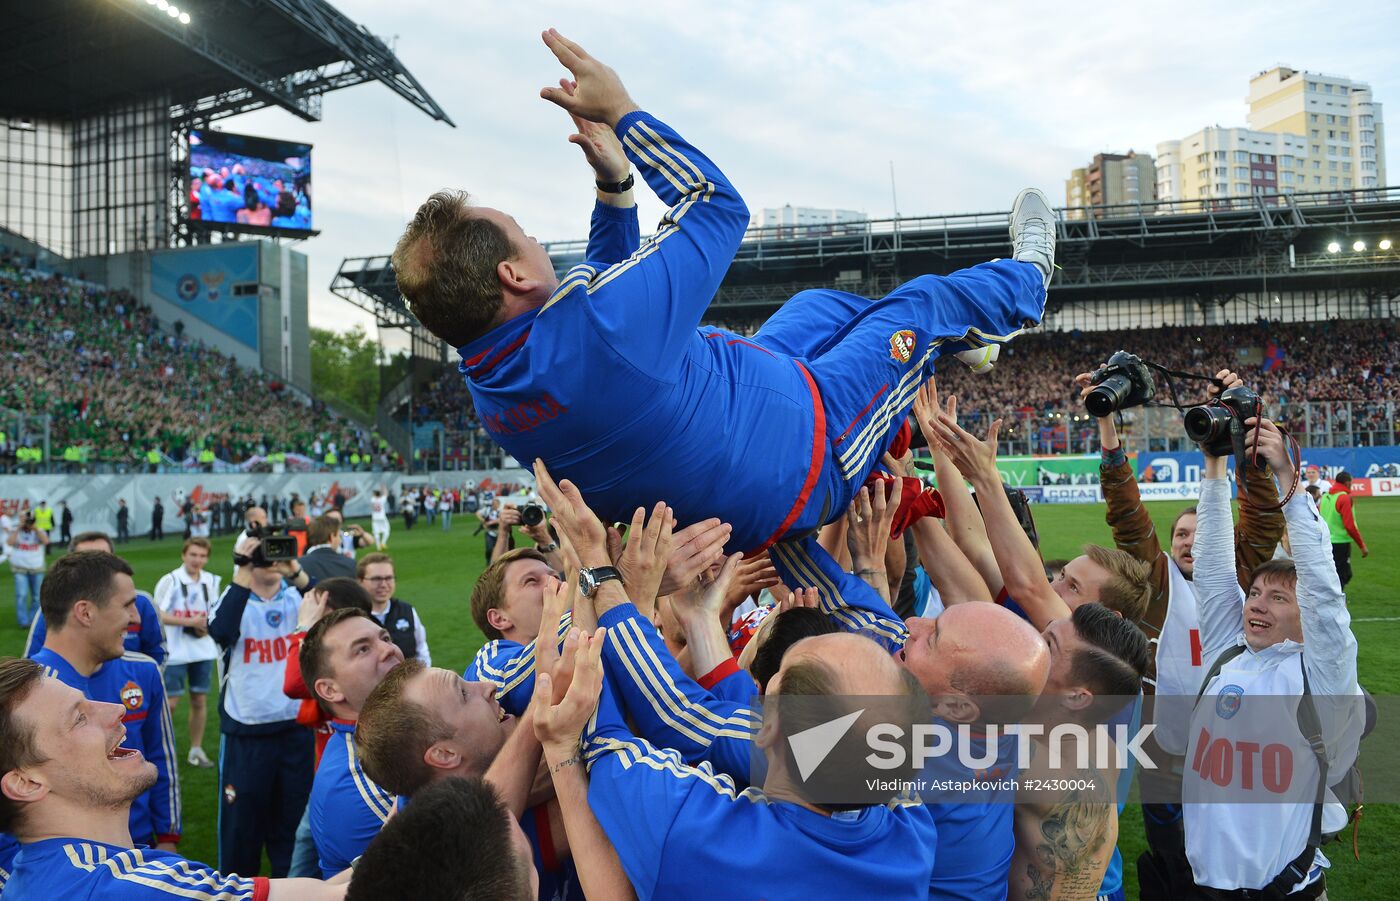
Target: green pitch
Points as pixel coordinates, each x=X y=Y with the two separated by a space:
x=436 y=572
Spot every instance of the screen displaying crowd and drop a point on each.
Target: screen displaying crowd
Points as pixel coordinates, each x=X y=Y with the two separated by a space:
x=240 y=180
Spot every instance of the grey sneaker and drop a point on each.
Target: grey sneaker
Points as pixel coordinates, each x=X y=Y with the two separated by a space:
x=198 y=758
x=1033 y=231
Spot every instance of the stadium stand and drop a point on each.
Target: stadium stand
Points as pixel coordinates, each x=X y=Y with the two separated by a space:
x=1347 y=372
x=118 y=387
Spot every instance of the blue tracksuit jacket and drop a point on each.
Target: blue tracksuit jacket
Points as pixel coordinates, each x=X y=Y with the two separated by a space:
x=684 y=832
x=615 y=386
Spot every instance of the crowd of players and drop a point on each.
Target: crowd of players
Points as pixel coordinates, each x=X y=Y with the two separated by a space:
x=119 y=387
x=600 y=743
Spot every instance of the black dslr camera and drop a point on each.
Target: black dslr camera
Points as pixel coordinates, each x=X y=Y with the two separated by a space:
x=275 y=546
x=1218 y=426
x=532 y=514
x=1125 y=382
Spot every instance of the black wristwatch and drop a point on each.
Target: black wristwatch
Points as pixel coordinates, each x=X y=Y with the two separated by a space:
x=590 y=579
x=617 y=187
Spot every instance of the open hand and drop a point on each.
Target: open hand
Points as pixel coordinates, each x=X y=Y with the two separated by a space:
x=642 y=562
x=1265 y=439
x=599 y=143
x=558 y=724
x=597 y=94
x=693 y=550
x=868 y=521
x=974 y=458
x=572 y=516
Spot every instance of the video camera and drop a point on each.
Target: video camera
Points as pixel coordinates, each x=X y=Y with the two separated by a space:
x=1218 y=426
x=275 y=545
x=1125 y=382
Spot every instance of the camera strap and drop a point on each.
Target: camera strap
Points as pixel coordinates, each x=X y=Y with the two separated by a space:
x=1294 y=451
x=1176 y=403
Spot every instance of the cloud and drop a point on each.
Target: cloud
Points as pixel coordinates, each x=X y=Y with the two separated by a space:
x=805 y=103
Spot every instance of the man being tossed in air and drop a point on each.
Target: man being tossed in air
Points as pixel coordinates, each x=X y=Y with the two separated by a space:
x=606 y=376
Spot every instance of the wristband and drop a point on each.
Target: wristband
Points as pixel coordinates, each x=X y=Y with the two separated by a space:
x=547 y=548
x=617 y=187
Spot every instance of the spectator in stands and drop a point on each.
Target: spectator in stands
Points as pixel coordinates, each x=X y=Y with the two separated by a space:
x=184 y=597
x=322 y=559
x=144 y=636
x=376 y=573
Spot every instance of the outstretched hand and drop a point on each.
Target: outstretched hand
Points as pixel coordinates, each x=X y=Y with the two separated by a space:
x=642 y=561
x=693 y=550
x=973 y=457
x=573 y=517
x=1265 y=439
x=558 y=724
x=599 y=143
x=597 y=95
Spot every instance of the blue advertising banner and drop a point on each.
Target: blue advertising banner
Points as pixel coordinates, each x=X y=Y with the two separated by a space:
x=201 y=283
x=1361 y=462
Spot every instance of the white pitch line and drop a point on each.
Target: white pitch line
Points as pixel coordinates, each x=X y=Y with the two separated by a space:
x=1377 y=619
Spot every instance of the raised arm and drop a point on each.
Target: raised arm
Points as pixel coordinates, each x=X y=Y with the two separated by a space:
x=681 y=266
x=1218 y=595
x=561 y=718
x=965 y=525
x=1022 y=570
x=948 y=568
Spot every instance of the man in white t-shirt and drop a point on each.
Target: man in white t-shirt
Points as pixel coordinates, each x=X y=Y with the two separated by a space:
x=7 y=525
x=183 y=597
x=379 y=519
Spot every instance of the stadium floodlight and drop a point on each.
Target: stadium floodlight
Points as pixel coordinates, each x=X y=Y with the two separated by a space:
x=173 y=12
x=1358 y=246
x=1385 y=244
x=1334 y=247
x=162 y=5
x=184 y=18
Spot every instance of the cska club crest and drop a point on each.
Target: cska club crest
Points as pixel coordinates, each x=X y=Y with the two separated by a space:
x=132 y=696
x=902 y=345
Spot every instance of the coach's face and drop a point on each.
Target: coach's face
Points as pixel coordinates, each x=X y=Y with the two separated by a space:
x=80 y=743
x=477 y=725
x=530 y=255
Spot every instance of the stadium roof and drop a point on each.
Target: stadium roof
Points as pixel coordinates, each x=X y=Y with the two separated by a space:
x=69 y=59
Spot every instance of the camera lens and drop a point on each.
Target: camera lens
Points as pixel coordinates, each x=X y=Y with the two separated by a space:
x=1108 y=395
x=1204 y=424
x=532 y=514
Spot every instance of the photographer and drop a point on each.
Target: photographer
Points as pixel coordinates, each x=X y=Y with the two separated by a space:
x=27 y=546
x=183 y=596
x=531 y=520
x=266 y=761
x=1170 y=621
x=323 y=559
x=1241 y=845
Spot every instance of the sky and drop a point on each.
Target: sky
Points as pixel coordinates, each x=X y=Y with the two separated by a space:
x=810 y=103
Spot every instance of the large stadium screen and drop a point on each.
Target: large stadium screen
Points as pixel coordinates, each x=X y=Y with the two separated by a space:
x=249 y=183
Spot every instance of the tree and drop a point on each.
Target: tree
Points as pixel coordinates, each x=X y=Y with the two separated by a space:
x=345 y=367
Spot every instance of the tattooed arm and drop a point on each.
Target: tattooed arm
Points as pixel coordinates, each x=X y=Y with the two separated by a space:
x=1064 y=838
